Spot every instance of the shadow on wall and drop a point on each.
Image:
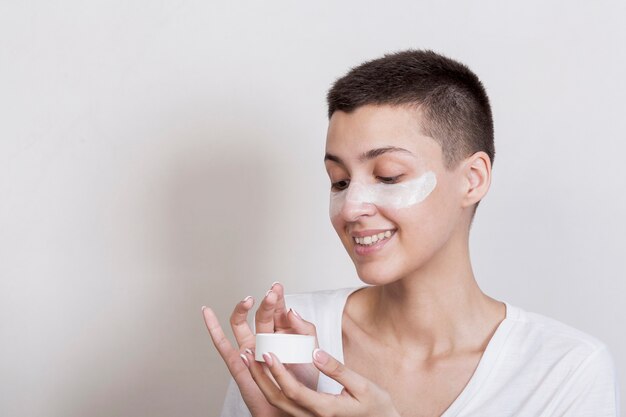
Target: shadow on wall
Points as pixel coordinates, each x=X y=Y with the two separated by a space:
x=211 y=208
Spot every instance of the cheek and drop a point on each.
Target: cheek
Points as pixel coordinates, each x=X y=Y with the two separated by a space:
x=409 y=220
x=420 y=221
x=427 y=225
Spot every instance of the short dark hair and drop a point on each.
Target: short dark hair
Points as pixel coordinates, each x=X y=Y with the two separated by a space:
x=454 y=104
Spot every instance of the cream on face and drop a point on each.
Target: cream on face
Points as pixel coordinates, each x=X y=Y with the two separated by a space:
x=399 y=195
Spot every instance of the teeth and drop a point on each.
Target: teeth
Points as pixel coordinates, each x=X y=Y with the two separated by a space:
x=369 y=240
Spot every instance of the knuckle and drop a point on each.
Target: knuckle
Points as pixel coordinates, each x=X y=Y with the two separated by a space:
x=233 y=361
x=239 y=374
x=262 y=316
x=237 y=318
x=292 y=393
x=338 y=369
x=221 y=343
x=293 y=396
x=274 y=399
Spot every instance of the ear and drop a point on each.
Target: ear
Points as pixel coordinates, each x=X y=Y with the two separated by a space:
x=476 y=178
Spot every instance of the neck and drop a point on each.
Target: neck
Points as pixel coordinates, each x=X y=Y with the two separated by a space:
x=437 y=310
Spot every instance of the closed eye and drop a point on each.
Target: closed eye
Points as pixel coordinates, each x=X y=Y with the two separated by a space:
x=343 y=184
x=390 y=180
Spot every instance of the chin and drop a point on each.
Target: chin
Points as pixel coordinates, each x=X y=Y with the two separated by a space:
x=373 y=275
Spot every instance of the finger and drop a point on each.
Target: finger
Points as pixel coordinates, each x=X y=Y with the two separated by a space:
x=270 y=390
x=239 y=323
x=218 y=337
x=280 y=311
x=236 y=366
x=297 y=392
x=264 y=317
x=229 y=354
x=301 y=326
x=354 y=383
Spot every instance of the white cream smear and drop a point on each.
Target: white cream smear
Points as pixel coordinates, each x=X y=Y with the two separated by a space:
x=399 y=195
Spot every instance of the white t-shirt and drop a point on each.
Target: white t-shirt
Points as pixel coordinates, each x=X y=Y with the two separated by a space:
x=533 y=366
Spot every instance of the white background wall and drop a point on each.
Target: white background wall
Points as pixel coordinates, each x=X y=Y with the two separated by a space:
x=156 y=156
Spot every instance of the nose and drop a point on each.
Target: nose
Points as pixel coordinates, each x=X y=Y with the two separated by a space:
x=358 y=202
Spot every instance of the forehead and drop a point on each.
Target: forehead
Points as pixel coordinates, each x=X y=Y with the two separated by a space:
x=352 y=135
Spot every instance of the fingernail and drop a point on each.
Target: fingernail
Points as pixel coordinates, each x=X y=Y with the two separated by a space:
x=320 y=356
x=267 y=293
x=274 y=283
x=249 y=352
x=268 y=359
x=246 y=299
x=295 y=313
x=245 y=360
x=203 y=307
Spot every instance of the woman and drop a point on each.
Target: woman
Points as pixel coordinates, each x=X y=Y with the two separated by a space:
x=409 y=153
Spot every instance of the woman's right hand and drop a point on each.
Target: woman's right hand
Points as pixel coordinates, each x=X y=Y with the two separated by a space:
x=270 y=317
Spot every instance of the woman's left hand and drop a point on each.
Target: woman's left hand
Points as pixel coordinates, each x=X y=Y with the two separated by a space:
x=360 y=396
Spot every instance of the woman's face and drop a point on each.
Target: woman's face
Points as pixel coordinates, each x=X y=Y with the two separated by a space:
x=401 y=190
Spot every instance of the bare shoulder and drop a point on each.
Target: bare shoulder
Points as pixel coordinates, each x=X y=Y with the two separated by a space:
x=356 y=308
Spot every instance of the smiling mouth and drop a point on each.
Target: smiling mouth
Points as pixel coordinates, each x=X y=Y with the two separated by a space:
x=373 y=239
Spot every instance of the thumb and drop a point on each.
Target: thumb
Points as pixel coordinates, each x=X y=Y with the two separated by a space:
x=356 y=384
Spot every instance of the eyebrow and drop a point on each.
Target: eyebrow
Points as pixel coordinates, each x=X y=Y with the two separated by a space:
x=365 y=156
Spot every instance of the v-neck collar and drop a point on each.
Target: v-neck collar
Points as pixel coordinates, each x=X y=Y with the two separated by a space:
x=485 y=364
